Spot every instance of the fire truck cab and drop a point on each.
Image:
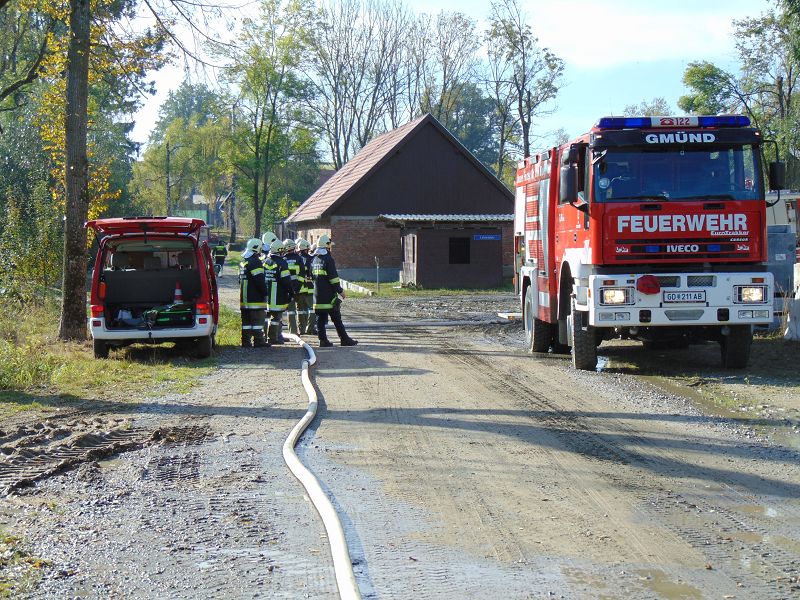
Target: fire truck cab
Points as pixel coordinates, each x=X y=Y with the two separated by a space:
x=648 y=228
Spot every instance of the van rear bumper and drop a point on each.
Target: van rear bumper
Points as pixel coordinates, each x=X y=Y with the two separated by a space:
x=99 y=332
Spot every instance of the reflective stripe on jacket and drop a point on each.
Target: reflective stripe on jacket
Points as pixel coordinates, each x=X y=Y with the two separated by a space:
x=252 y=285
x=281 y=290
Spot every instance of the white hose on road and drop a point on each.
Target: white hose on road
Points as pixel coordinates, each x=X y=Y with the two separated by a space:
x=342 y=564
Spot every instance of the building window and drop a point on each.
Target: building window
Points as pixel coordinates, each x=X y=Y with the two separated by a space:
x=459 y=250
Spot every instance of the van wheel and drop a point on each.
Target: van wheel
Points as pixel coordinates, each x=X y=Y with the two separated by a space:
x=204 y=346
x=538 y=333
x=584 y=347
x=736 y=347
x=100 y=349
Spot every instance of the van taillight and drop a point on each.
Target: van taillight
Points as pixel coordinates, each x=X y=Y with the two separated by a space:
x=203 y=308
x=101 y=290
x=97 y=310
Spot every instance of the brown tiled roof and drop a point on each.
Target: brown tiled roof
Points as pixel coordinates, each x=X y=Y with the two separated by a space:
x=356 y=170
x=452 y=218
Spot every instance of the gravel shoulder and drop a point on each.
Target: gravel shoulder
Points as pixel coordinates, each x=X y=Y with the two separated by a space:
x=462 y=467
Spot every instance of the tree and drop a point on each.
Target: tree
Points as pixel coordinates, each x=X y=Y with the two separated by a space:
x=535 y=73
x=765 y=88
x=265 y=70
x=654 y=108
x=451 y=66
x=76 y=174
x=353 y=55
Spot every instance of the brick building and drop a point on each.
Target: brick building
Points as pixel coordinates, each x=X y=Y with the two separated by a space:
x=417 y=169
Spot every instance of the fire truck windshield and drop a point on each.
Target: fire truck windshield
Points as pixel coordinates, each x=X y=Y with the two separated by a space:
x=677 y=173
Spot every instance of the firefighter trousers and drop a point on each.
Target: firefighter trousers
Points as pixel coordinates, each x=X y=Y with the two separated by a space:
x=275 y=327
x=291 y=312
x=336 y=316
x=305 y=315
x=253 y=326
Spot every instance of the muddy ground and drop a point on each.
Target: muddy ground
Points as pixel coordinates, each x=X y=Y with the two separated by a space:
x=462 y=467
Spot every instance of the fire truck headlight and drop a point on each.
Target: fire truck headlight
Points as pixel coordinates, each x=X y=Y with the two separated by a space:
x=615 y=296
x=751 y=294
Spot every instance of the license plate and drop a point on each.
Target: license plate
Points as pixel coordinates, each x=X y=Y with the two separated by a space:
x=684 y=296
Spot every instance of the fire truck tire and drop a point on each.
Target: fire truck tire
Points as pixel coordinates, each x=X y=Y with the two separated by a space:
x=100 y=349
x=736 y=347
x=538 y=333
x=584 y=347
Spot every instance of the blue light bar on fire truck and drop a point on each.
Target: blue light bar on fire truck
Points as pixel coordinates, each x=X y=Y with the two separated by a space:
x=648 y=122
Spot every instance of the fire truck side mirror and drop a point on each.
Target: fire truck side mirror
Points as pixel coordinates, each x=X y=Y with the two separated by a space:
x=777 y=175
x=568 y=183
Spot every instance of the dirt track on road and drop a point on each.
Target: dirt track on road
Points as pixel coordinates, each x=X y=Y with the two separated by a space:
x=462 y=468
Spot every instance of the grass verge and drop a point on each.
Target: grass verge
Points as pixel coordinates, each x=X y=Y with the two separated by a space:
x=38 y=370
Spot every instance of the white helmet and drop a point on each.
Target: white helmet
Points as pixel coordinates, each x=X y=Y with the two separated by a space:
x=276 y=247
x=268 y=238
x=288 y=245
x=324 y=241
x=253 y=247
x=302 y=244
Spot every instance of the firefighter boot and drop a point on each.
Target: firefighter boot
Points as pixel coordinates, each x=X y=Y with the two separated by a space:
x=348 y=341
x=325 y=343
x=259 y=341
x=246 y=339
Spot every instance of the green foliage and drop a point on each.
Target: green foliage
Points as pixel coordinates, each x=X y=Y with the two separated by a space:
x=655 y=107
x=765 y=86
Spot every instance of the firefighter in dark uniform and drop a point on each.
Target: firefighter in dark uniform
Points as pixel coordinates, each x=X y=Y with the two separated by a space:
x=295 y=264
x=282 y=290
x=220 y=252
x=252 y=295
x=327 y=290
x=305 y=299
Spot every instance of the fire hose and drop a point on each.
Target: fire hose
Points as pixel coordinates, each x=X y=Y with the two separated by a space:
x=342 y=564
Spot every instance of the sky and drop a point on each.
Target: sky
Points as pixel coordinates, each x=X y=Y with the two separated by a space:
x=616 y=52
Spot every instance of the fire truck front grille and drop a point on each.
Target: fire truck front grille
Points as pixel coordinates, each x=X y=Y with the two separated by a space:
x=669 y=281
x=701 y=280
x=684 y=314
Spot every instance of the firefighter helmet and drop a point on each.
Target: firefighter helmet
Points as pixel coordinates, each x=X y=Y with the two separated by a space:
x=276 y=247
x=253 y=247
x=288 y=245
x=268 y=238
x=302 y=244
x=324 y=241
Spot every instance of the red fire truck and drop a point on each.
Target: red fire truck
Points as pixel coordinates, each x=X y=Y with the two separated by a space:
x=647 y=228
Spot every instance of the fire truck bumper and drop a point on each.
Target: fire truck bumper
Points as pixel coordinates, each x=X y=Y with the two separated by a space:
x=686 y=299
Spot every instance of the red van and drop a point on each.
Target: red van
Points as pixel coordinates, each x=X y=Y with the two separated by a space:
x=153 y=281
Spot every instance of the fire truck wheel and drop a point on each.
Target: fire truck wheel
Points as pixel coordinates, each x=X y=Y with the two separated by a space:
x=736 y=347
x=100 y=349
x=584 y=348
x=538 y=333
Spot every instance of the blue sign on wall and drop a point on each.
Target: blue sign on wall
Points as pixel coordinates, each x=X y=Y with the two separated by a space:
x=483 y=237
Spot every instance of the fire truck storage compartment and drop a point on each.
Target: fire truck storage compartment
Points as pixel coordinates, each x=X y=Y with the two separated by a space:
x=781 y=244
x=138 y=281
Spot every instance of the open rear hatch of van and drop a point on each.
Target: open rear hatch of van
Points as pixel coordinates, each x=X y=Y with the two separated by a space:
x=149 y=274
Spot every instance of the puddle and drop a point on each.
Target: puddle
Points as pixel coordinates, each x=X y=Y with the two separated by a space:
x=659 y=583
x=758 y=509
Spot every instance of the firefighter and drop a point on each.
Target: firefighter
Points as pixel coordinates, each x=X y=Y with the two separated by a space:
x=296 y=268
x=327 y=293
x=305 y=298
x=220 y=253
x=252 y=295
x=281 y=290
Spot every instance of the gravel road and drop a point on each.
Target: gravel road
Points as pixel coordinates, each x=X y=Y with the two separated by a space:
x=462 y=468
